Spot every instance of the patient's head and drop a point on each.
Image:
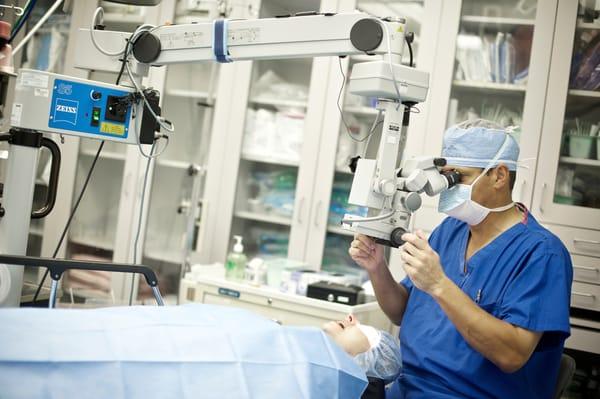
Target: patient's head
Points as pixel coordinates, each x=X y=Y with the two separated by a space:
x=348 y=335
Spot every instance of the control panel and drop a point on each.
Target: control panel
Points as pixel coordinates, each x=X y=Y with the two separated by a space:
x=93 y=109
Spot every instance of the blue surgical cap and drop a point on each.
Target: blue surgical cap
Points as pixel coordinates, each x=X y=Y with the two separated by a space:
x=476 y=144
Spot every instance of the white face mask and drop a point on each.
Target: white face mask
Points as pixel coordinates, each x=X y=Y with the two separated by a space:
x=457 y=201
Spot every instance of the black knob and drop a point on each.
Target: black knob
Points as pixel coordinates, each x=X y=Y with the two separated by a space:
x=354 y=163
x=96 y=95
x=396 y=237
x=2 y=212
x=439 y=162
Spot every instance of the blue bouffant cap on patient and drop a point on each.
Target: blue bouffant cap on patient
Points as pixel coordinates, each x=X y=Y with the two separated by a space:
x=476 y=144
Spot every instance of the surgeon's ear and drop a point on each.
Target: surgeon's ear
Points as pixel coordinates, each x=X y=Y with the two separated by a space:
x=501 y=177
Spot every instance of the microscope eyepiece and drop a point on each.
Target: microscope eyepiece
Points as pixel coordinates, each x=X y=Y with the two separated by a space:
x=452 y=177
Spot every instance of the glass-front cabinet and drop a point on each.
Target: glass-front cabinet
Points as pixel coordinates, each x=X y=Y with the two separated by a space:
x=271 y=205
x=492 y=63
x=568 y=190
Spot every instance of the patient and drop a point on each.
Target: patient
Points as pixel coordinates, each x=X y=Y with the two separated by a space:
x=375 y=351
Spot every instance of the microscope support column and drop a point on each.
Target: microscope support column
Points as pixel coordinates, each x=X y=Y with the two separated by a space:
x=14 y=225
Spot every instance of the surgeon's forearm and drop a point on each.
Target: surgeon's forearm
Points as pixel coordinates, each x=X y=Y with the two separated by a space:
x=505 y=345
x=392 y=297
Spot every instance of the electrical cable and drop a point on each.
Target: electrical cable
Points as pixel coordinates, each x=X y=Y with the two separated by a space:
x=375 y=122
x=71 y=215
x=139 y=223
x=22 y=20
x=93 y=37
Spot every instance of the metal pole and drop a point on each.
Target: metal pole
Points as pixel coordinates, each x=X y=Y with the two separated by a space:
x=159 y=299
x=53 y=289
x=37 y=26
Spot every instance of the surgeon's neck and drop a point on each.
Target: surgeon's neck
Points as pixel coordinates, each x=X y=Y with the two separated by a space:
x=493 y=225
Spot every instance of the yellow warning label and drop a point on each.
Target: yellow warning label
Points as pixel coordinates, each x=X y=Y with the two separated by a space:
x=112 y=128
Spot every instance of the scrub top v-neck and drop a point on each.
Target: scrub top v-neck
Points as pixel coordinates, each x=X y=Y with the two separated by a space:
x=522 y=277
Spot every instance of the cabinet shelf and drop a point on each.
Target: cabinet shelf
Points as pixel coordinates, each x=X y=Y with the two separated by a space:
x=340 y=231
x=277 y=102
x=269 y=160
x=489 y=86
x=480 y=19
x=92 y=242
x=585 y=93
x=118 y=156
x=261 y=217
x=200 y=95
x=580 y=161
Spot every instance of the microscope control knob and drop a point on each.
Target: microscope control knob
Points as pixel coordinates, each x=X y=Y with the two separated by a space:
x=96 y=95
x=396 y=237
x=412 y=201
x=387 y=187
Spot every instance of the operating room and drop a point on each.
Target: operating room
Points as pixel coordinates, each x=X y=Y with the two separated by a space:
x=307 y=199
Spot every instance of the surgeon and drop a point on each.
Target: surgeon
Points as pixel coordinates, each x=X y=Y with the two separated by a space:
x=484 y=309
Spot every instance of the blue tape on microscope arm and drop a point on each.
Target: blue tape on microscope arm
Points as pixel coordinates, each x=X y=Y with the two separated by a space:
x=220 y=41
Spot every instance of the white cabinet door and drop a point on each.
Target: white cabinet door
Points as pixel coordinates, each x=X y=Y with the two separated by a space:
x=272 y=125
x=469 y=81
x=568 y=183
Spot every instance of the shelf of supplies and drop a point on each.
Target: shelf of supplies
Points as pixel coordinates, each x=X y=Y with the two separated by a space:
x=277 y=102
x=361 y=110
x=588 y=25
x=92 y=242
x=261 y=217
x=172 y=163
x=269 y=159
x=340 y=231
x=118 y=156
x=585 y=93
x=200 y=95
x=480 y=19
x=580 y=161
x=489 y=86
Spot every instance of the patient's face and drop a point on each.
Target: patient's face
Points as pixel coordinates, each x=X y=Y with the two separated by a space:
x=347 y=335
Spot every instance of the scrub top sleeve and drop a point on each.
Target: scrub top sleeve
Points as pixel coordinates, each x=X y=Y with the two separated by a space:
x=407 y=283
x=538 y=299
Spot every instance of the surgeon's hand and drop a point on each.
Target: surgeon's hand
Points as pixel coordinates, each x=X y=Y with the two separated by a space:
x=422 y=263
x=367 y=253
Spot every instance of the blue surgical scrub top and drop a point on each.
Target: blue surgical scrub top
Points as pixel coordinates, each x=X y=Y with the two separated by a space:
x=522 y=277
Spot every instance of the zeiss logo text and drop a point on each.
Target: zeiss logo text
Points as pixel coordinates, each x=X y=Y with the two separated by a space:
x=66 y=111
x=64 y=108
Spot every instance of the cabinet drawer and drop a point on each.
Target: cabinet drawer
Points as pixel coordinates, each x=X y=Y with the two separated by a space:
x=578 y=241
x=585 y=296
x=584 y=339
x=586 y=269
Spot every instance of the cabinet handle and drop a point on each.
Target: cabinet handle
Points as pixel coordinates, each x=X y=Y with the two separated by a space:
x=583 y=241
x=587 y=268
x=542 y=197
x=317 y=213
x=301 y=210
x=583 y=294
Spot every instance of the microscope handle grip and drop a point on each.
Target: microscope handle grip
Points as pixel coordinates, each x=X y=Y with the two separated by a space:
x=53 y=182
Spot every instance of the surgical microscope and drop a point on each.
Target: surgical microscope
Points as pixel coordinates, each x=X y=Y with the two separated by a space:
x=130 y=114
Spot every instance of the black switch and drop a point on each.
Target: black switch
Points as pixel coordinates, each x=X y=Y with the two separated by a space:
x=116 y=109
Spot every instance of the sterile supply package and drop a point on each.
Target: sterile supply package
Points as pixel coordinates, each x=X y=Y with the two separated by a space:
x=188 y=351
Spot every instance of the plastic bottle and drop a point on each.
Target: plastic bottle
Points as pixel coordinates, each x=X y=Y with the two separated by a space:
x=236 y=261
